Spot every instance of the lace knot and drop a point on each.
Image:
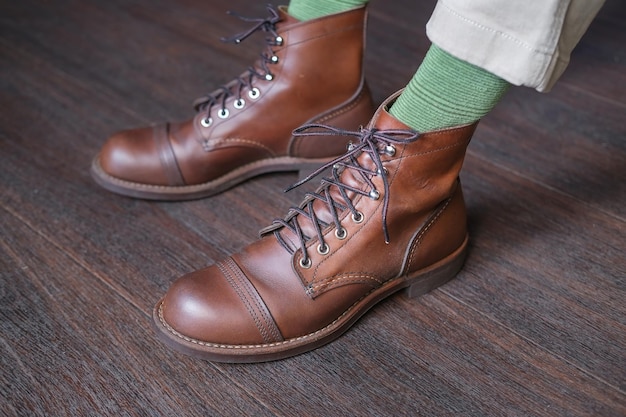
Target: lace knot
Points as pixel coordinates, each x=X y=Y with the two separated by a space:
x=266 y=24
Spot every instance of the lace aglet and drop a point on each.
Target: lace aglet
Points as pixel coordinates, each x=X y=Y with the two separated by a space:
x=233 y=39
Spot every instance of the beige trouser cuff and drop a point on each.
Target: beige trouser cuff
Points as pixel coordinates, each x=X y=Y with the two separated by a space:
x=524 y=42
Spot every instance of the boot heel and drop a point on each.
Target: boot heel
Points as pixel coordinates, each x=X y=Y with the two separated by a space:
x=430 y=280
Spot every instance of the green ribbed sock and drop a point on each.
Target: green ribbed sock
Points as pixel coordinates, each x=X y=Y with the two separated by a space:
x=446 y=91
x=311 y=9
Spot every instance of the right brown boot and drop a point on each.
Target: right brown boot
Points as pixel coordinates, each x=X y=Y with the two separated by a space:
x=311 y=72
x=389 y=216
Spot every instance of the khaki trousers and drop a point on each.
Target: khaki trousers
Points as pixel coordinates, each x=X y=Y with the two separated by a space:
x=525 y=42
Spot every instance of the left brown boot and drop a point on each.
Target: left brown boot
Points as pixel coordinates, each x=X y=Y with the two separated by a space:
x=310 y=72
x=391 y=216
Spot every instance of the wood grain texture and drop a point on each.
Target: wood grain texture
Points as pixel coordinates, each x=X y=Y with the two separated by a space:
x=534 y=325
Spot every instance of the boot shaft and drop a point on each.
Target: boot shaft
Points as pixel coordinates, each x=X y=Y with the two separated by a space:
x=424 y=172
x=315 y=68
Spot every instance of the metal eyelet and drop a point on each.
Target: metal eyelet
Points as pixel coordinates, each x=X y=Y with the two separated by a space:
x=206 y=122
x=223 y=113
x=279 y=40
x=350 y=146
x=323 y=249
x=341 y=234
x=374 y=195
x=307 y=264
x=254 y=93
x=269 y=77
x=390 y=150
x=239 y=104
x=358 y=217
x=384 y=171
x=274 y=59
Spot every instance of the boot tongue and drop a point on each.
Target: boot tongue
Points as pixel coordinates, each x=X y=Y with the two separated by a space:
x=383 y=120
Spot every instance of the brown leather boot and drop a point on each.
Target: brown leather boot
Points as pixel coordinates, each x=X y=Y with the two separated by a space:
x=311 y=72
x=390 y=216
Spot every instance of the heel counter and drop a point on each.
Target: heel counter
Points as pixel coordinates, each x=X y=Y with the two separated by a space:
x=443 y=234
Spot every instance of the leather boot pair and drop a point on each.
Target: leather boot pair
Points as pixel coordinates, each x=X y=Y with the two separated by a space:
x=311 y=72
x=389 y=216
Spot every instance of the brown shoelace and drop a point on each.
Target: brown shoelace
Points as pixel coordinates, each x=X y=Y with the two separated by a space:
x=371 y=141
x=219 y=97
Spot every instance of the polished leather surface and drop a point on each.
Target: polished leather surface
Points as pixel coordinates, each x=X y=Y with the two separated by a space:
x=263 y=297
x=318 y=77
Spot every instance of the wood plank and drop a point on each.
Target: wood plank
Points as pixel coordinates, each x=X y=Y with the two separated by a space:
x=547 y=267
x=553 y=140
x=141 y=56
x=435 y=356
x=71 y=346
x=87 y=220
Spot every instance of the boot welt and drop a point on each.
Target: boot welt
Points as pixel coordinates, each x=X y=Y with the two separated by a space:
x=416 y=284
x=209 y=188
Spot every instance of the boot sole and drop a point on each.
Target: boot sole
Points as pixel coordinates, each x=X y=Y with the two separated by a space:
x=207 y=189
x=416 y=284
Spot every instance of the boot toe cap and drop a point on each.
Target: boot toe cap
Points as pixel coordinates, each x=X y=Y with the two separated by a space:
x=131 y=155
x=203 y=307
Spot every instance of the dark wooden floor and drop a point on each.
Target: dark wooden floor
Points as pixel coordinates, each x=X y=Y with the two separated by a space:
x=534 y=325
